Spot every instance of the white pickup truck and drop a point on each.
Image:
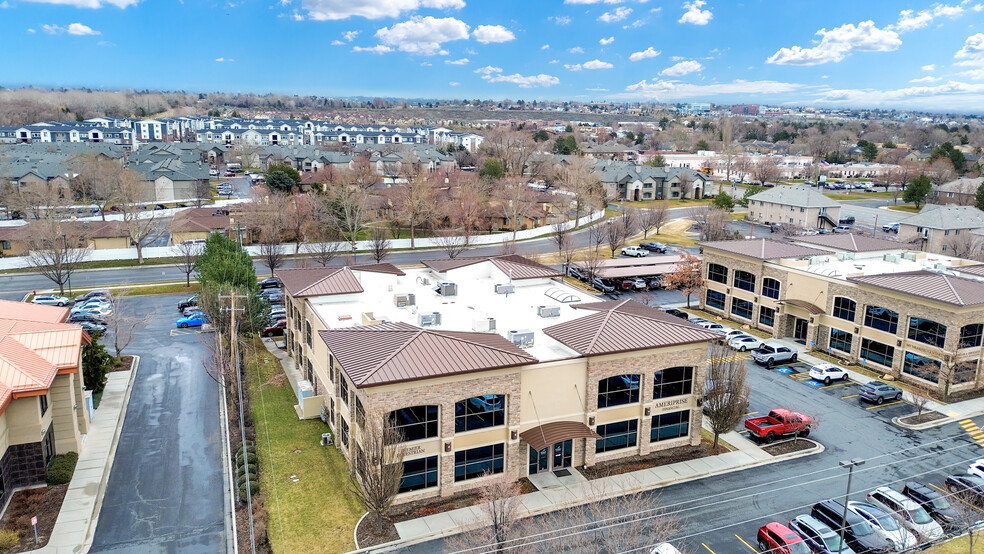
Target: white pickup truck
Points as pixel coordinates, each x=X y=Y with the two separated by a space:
x=770 y=353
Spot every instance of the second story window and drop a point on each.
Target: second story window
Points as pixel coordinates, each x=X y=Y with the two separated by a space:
x=744 y=280
x=43 y=400
x=479 y=412
x=717 y=273
x=844 y=308
x=770 y=288
x=618 y=390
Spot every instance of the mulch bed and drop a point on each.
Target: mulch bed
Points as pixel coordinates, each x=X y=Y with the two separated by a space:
x=367 y=535
x=924 y=417
x=45 y=503
x=126 y=363
x=656 y=459
x=789 y=446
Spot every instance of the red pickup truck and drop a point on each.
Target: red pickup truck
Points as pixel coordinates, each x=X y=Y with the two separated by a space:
x=778 y=422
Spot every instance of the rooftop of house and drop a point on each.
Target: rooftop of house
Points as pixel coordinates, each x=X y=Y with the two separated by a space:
x=945 y=217
x=801 y=197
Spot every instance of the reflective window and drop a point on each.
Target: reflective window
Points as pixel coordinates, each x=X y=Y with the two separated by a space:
x=419 y=474
x=715 y=299
x=927 y=331
x=970 y=335
x=767 y=316
x=877 y=317
x=476 y=462
x=877 y=352
x=744 y=280
x=673 y=381
x=844 y=308
x=480 y=412
x=670 y=426
x=717 y=273
x=615 y=436
x=921 y=366
x=618 y=390
x=741 y=308
x=841 y=340
x=770 y=288
x=415 y=422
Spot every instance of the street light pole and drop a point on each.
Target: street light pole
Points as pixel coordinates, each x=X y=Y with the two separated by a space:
x=65 y=255
x=850 y=465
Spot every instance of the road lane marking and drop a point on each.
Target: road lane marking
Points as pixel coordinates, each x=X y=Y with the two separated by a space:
x=708 y=548
x=752 y=548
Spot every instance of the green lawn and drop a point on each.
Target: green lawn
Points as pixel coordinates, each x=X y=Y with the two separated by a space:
x=317 y=513
x=906 y=208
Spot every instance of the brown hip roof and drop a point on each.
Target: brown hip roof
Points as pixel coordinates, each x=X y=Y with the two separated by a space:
x=551 y=433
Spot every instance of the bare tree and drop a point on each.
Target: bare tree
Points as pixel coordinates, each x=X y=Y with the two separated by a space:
x=325 y=244
x=686 y=179
x=97 y=181
x=123 y=322
x=686 y=276
x=499 y=527
x=452 y=241
x=597 y=234
x=56 y=251
x=578 y=176
x=726 y=392
x=713 y=222
x=377 y=466
x=187 y=254
x=765 y=171
x=619 y=229
x=516 y=200
x=203 y=193
x=379 y=243
x=920 y=398
x=272 y=250
x=415 y=199
x=140 y=225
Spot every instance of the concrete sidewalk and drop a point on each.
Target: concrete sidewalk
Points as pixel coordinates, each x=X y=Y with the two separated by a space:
x=565 y=492
x=76 y=522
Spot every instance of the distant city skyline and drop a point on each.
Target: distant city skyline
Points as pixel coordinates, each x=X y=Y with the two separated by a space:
x=878 y=54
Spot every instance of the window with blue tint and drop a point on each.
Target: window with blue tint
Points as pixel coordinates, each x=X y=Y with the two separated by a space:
x=615 y=436
x=415 y=422
x=744 y=280
x=717 y=273
x=741 y=308
x=419 y=474
x=770 y=288
x=877 y=352
x=844 y=308
x=343 y=392
x=715 y=299
x=479 y=412
x=970 y=335
x=673 y=381
x=344 y=432
x=670 y=426
x=841 y=340
x=884 y=319
x=921 y=367
x=927 y=331
x=476 y=462
x=618 y=390
x=767 y=316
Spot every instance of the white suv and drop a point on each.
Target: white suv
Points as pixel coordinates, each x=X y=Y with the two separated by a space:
x=825 y=373
x=912 y=516
x=636 y=251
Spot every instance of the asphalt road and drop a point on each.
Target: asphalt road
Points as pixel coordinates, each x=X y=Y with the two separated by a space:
x=720 y=514
x=166 y=490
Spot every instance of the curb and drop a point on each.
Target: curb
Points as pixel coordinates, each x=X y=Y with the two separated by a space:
x=104 y=482
x=399 y=544
x=922 y=426
x=355 y=532
x=232 y=534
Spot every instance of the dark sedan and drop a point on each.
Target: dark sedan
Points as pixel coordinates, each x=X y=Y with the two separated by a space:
x=275 y=330
x=271 y=283
x=969 y=488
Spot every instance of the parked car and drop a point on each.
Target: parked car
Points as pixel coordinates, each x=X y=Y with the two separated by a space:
x=51 y=300
x=190 y=310
x=909 y=514
x=93 y=327
x=88 y=305
x=272 y=296
x=190 y=301
x=278 y=312
x=677 y=313
x=655 y=282
x=213 y=172
x=779 y=422
x=745 y=342
x=275 y=329
x=639 y=283
x=602 y=285
x=818 y=536
x=770 y=353
x=825 y=373
x=842 y=229
x=697 y=320
x=194 y=320
x=857 y=534
x=230 y=174
x=778 y=539
x=890 y=228
x=635 y=251
x=976 y=468
x=664 y=548
x=734 y=333
x=713 y=327
x=271 y=283
x=103 y=311
x=624 y=284
x=577 y=273
x=98 y=293
x=86 y=316
x=849 y=220
x=654 y=246
x=934 y=503
x=878 y=392
x=969 y=488
x=884 y=525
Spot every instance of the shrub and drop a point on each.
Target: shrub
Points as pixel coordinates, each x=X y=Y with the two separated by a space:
x=254 y=487
x=250 y=458
x=251 y=468
x=62 y=468
x=9 y=538
x=241 y=480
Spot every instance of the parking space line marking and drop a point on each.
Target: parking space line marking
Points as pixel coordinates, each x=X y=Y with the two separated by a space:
x=885 y=405
x=750 y=414
x=839 y=384
x=753 y=549
x=963 y=421
x=799 y=376
x=850 y=396
x=957 y=497
x=708 y=548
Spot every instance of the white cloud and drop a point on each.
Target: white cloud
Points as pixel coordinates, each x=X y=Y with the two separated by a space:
x=222 y=60
x=666 y=90
x=682 y=68
x=618 y=14
x=647 y=53
x=694 y=14
x=350 y=35
x=676 y=58
x=52 y=29
x=423 y=35
x=462 y=61
x=560 y=20
x=425 y=64
x=545 y=47
x=79 y=29
x=31 y=31
x=952 y=92
x=525 y=81
x=576 y=50
x=930 y=67
x=337 y=42
x=4 y=5
x=488 y=70
x=596 y=89
x=837 y=43
x=296 y=16
x=926 y=79
x=972 y=51
x=910 y=20
x=492 y=33
x=978 y=7
x=454 y=83
x=606 y=41
x=597 y=64
x=573 y=67
x=326 y=10
x=378 y=49
x=91 y=4
x=106 y=44
x=635 y=24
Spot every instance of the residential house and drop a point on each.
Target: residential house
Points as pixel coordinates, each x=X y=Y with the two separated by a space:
x=940 y=229
x=960 y=191
x=198 y=223
x=794 y=206
x=629 y=181
x=15 y=240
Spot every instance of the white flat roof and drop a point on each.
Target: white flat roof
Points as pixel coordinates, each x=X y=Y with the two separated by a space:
x=829 y=266
x=476 y=300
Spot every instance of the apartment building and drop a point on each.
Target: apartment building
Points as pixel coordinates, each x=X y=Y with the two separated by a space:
x=795 y=207
x=941 y=229
x=914 y=315
x=490 y=365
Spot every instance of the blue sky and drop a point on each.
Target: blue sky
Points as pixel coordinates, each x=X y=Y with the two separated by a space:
x=829 y=53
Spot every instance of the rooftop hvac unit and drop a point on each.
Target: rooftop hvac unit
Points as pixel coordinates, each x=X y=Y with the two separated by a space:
x=404 y=300
x=445 y=288
x=891 y=258
x=428 y=320
x=505 y=289
x=944 y=267
x=816 y=260
x=485 y=325
x=304 y=390
x=911 y=256
x=845 y=256
x=548 y=311
x=522 y=338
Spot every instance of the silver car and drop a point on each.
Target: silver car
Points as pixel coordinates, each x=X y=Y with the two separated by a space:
x=51 y=300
